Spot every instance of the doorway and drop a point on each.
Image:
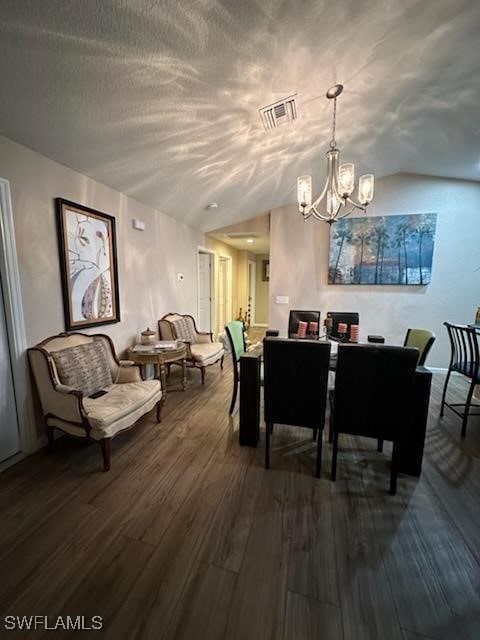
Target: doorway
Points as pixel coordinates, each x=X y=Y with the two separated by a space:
x=251 y=284
x=205 y=289
x=12 y=337
x=9 y=435
x=224 y=292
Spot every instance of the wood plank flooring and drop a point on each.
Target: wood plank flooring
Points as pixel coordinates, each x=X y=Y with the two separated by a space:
x=189 y=538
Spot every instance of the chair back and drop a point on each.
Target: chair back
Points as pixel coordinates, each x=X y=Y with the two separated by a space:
x=344 y=317
x=423 y=340
x=465 y=353
x=373 y=389
x=236 y=338
x=295 y=381
x=296 y=316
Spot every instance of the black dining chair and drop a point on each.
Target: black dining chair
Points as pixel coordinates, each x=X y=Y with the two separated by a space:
x=464 y=359
x=298 y=315
x=371 y=398
x=295 y=387
x=345 y=317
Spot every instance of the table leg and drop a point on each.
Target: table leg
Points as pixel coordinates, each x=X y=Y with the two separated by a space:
x=184 y=374
x=163 y=380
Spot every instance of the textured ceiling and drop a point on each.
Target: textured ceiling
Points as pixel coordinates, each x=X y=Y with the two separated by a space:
x=159 y=99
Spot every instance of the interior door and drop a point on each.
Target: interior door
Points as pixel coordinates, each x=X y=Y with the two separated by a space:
x=222 y=294
x=205 y=291
x=9 y=436
x=251 y=292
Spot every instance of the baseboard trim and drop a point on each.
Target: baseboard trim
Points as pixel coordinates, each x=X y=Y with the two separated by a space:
x=9 y=462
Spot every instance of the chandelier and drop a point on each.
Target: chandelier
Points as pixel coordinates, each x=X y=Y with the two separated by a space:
x=334 y=202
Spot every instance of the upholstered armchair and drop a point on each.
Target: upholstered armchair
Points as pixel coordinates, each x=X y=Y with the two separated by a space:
x=202 y=351
x=86 y=392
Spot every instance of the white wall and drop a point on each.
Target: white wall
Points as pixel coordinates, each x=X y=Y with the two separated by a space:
x=148 y=261
x=299 y=264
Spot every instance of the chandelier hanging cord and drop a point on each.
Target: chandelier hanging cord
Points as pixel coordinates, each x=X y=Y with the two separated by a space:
x=333 y=142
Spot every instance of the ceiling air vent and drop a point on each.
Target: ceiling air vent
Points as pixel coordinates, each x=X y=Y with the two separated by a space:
x=241 y=235
x=280 y=112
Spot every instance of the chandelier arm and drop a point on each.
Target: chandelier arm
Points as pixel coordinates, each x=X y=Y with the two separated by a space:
x=320 y=197
x=319 y=216
x=357 y=205
x=347 y=213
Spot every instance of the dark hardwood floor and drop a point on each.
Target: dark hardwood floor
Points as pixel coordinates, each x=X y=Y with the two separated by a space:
x=189 y=538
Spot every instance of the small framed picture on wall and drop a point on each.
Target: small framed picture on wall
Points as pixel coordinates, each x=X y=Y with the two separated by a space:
x=265 y=270
x=88 y=265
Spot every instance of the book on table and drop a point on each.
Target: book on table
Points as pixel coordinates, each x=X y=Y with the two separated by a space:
x=161 y=345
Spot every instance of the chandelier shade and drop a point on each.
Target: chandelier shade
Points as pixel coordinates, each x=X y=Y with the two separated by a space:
x=335 y=200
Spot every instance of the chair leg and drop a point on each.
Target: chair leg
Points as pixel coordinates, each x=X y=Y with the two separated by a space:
x=221 y=362
x=105 y=445
x=334 y=456
x=50 y=438
x=234 y=396
x=444 y=392
x=202 y=369
x=318 y=467
x=379 y=445
x=330 y=425
x=393 y=471
x=315 y=431
x=159 y=410
x=268 y=431
x=467 y=409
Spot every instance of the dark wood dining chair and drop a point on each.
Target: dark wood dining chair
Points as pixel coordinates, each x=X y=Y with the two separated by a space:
x=295 y=387
x=299 y=315
x=464 y=359
x=345 y=317
x=373 y=388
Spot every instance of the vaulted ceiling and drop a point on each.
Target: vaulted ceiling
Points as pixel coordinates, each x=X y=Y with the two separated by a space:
x=159 y=98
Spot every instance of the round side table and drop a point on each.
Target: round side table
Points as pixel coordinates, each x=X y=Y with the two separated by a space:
x=160 y=359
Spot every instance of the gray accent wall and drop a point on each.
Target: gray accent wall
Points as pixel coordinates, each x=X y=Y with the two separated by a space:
x=299 y=264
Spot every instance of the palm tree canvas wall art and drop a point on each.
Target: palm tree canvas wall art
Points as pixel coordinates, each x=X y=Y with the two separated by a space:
x=383 y=250
x=88 y=264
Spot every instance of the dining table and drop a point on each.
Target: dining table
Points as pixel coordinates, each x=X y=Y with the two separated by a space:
x=410 y=449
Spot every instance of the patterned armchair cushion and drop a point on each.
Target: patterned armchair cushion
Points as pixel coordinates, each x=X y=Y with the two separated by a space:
x=184 y=329
x=83 y=367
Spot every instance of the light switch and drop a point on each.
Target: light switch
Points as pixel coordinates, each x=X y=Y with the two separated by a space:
x=282 y=299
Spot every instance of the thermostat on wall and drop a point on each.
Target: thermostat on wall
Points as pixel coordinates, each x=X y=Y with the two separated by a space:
x=282 y=299
x=137 y=224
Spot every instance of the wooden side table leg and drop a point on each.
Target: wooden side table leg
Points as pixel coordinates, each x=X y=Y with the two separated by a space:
x=163 y=380
x=184 y=374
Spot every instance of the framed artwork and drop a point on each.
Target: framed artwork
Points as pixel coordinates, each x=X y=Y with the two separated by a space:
x=88 y=265
x=393 y=250
x=265 y=270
